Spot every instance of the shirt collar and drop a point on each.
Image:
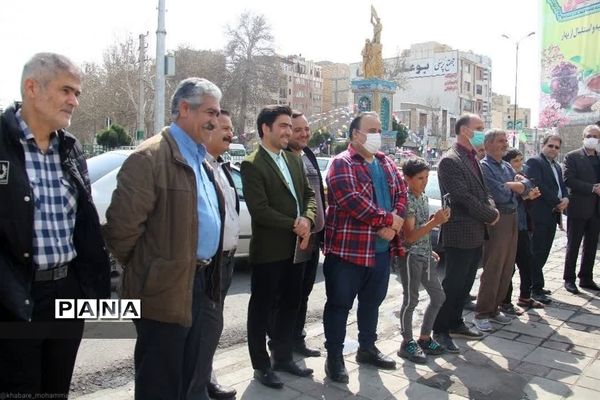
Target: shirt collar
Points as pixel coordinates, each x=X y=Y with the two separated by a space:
x=272 y=154
x=469 y=152
x=184 y=140
x=27 y=135
x=492 y=160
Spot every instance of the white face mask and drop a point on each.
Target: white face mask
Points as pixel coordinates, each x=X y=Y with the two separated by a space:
x=590 y=143
x=373 y=142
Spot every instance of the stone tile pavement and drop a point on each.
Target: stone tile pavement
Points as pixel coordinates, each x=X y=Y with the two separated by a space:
x=545 y=354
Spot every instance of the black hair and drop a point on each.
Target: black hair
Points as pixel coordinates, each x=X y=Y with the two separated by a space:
x=413 y=166
x=551 y=136
x=512 y=153
x=269 y=114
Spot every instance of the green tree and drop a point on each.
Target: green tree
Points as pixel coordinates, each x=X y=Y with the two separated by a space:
x=114 y=136
x=318 y=138
x=402 y=132
x=340 y=146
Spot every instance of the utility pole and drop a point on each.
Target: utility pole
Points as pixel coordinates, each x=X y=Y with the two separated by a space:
x=141 y=102
x=159 y=91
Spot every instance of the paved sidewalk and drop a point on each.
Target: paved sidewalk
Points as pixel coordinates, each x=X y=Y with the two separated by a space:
x=545 y=354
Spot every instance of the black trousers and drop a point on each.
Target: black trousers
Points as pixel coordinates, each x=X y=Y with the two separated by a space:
x=541 y=242
x=37 y=357
x=523 y=261
x=310 y=273
x=173 y=361
x=461 y=268
x=277 y=283
x=578 y=229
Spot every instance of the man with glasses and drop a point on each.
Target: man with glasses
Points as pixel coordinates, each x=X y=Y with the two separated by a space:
x=546 y=212
x=366 y=207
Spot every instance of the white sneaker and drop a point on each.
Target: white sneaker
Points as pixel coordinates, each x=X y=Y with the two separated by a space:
x=483 y=324
x=501 y=318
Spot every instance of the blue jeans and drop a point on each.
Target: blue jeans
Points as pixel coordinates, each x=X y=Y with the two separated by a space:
x=345 y=281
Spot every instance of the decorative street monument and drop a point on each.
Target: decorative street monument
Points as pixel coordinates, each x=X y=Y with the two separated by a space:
x=373 y=93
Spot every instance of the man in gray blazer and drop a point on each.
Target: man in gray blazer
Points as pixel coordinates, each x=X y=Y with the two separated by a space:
x=582 y=177
x=461 y=178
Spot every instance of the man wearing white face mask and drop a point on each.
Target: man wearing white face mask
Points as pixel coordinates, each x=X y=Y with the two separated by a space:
x=366 y=206
x=582 y=177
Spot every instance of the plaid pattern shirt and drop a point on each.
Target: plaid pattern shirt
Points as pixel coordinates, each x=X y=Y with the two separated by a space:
x=353 y=218
x=55 y=202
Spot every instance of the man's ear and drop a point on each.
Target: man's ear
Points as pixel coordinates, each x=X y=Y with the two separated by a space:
x=30 y=88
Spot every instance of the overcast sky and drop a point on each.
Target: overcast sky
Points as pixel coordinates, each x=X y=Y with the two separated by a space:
x=332 y=30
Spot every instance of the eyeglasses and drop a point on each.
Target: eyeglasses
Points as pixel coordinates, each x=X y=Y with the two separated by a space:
x=553 y=146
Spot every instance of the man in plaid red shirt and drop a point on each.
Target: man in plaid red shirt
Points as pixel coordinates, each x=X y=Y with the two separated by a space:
x=366 y=208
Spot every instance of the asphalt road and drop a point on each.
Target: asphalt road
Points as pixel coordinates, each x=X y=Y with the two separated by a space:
x=106 y=363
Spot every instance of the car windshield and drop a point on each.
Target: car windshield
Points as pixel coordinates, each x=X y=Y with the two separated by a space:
x=237 y=153
x=323 y=163
x=104 y=163
x=432 y=190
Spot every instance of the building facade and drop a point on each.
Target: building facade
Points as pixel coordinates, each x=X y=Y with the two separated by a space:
x=437 y=77
x=503 y=114
x=337 y=92
x=301 y=85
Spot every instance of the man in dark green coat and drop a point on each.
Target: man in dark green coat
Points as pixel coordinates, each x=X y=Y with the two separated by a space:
x=282 y=207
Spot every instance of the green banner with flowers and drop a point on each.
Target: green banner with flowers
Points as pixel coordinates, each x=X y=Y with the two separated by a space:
x=570 y=91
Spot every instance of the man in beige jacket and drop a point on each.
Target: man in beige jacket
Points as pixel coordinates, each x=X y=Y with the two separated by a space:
x=165 y=226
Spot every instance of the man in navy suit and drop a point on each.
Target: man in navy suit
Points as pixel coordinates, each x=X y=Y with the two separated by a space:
x=546 y=213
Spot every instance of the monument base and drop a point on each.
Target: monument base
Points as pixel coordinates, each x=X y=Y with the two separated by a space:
x=377 y=95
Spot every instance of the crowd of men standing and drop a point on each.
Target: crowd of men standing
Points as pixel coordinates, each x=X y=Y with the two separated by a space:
x=173 y=224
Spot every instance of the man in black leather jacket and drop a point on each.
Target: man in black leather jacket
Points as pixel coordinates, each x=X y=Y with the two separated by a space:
x=50 y=242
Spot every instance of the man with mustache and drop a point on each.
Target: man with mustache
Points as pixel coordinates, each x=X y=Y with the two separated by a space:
x=165 y=225
x=50 y=242
x=217 y=142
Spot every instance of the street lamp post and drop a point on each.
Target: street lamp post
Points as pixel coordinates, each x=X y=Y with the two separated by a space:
x=516 y=81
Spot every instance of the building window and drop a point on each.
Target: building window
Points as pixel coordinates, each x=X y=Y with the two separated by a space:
x=467 y=86
x=289 y=91
x=467 y=67
x=467 y=105
x=478 y=89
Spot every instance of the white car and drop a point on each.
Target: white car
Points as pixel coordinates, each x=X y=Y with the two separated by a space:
x=324 y=164
x=103 y=170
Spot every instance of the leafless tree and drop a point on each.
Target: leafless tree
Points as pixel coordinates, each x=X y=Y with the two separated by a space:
x=395 y=70
x=110 y=90
x=252 y=68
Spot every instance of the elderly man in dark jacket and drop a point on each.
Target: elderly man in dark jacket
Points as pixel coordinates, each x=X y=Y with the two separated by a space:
x=582 y=177
x=50 y=242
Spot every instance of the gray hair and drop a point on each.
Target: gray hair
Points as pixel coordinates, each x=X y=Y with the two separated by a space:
x=590 y=128
x=491 y=135
x=44 y=67
x=192 y=91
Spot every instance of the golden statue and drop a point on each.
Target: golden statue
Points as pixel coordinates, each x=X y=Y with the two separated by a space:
x=372 y=57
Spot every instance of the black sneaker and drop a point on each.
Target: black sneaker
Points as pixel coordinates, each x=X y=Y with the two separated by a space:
x=541 y=297
x=445 y=340
x=412 y=351
x=466 y=332
x=431 y=347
